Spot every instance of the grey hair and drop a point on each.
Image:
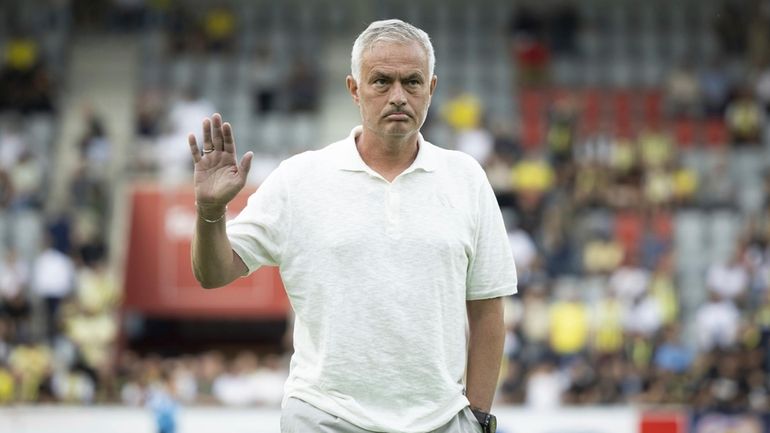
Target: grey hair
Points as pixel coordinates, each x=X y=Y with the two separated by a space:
x=389 y=31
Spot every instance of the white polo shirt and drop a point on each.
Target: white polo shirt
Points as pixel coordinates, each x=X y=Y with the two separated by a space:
x=378 y=274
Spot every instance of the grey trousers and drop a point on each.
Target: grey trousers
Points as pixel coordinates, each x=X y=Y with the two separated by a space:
x=301 y=417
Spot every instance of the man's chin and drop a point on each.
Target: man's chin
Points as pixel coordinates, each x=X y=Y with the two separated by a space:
x=398 y=131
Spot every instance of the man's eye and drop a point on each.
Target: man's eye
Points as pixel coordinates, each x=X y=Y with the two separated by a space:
x=414 y=83
x=380 y=82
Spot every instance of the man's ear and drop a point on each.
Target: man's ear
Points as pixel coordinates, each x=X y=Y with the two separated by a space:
x=352 y=87
x=433 y=82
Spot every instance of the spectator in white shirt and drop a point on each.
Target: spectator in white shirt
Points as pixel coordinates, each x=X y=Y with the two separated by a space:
x=53 y=279
x=716 y=323
x=630 y=281
x=729 y=280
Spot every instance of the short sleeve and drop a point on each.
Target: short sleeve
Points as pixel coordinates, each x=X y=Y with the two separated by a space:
x=259 y=232
x=491 y=270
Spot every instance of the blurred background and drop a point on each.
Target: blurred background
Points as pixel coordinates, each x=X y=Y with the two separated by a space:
x=628 y=144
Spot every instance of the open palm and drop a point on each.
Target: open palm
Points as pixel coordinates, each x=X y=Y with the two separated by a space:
x=218 y=176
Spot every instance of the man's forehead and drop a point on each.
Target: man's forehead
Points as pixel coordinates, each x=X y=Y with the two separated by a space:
x=394 y=55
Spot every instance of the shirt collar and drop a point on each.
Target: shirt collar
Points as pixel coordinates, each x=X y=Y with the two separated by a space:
x=349 y=159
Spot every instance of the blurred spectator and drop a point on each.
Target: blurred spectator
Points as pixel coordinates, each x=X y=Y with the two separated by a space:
x=664 y=290
x=625 y=174
x=32 y=365
x=183 y=35
x=149 y=111
x=718 y=190
x=529 y=50
x=763 y=89
x=524 y=253
x=95 y=147
x=6 y=190
x=582 y=388
x=607 y=324
x=602 y=254
x=14 y=286
x=219 y=29
x=268 y=381
x=535 y=324
x=498 y=170
x=512 y=389
x=758 y=32
x=560 y=136
x=211 y=366
x=672 y=354
x=592 y=183
x=462 y=112
x=716 y=323
x=93 y=332
x=545 y=386
x=7 y=385
x=24 y=82
x=532 y=177
x=184 y=117
x=506 y=139
x=715 y=87
x=186 y=114
x=88 y=192
x=53 y=279
x=265 y=81
x=644 y=317
x=569 y=325
x=682 y=91
x=729 y=280
x=27 y=182
x=184 y=381
x=743 y=118
x=685 y=184
x=161 y=400
x=303 y=88
x=656 y=148
x=12 y=142
x=60 y=231
x=630 y=280
x=235 y=387
x=476 y=142
x=658 y=187
x=97 y=288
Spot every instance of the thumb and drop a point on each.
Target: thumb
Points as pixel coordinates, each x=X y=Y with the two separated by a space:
x=245 y=165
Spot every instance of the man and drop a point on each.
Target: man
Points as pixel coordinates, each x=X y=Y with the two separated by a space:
x=388 y=247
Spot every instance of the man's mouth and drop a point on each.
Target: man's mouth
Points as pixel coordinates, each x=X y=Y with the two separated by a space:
x=397 y=116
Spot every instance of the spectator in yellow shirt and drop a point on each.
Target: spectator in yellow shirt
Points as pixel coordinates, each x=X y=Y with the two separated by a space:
x=569 y=325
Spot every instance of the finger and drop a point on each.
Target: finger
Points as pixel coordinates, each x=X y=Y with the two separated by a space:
x=207 y=144
x=216 y=131
x=245 y=165
x=229 y=140
x=196 y=153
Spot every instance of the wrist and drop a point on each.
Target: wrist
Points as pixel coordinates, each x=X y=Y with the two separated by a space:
x=487 y=421
x=211 y=213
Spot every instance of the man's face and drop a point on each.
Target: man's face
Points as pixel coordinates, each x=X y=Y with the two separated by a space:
x=395 y=90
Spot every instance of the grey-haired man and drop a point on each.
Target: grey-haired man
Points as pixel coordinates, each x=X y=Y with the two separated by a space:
x=392 y=251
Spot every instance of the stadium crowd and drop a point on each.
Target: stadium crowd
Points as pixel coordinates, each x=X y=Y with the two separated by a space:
x=590 y=201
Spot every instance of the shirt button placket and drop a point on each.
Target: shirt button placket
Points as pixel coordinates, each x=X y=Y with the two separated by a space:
x=393 y=207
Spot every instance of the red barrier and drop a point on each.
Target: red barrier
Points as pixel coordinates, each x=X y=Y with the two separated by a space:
x=159 y=279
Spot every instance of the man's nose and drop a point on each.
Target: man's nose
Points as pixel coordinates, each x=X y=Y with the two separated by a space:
x=397 y=95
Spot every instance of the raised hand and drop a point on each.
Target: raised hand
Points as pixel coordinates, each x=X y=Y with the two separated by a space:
x=218 y=176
